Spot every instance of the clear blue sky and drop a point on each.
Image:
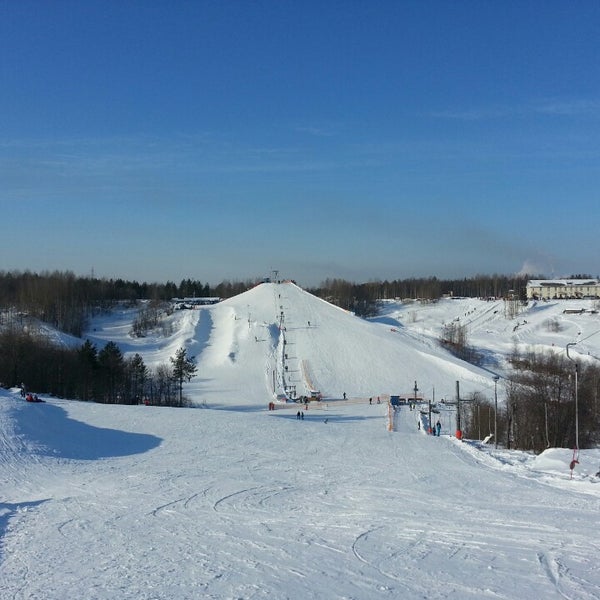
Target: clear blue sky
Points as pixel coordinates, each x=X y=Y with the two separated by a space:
x=363 y=140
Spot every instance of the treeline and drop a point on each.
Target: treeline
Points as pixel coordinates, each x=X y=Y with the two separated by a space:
x=362 y=298
x=540 y=409
x=66 y=301
x=88 y=373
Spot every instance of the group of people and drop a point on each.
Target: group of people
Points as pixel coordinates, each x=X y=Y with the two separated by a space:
x=29 y=397
x=433 y=430
x=32 y=398
x=300 y=415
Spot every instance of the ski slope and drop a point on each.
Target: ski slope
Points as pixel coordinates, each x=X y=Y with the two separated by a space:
x=244 y=344
x=141 y=502
x=233 y=501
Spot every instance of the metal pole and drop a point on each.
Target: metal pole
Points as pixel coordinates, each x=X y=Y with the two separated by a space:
x=415 y=390
x=576 y=410
x=496 y=411
x=430 y=426
x=458 y=429
x=576 y=399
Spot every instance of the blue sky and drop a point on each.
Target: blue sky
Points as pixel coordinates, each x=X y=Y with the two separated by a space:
x=364 y=140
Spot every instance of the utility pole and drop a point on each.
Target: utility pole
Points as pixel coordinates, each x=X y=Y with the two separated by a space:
x=457 y=403
x=415 y=390
x=496 y=378
x=431 y=401
x=458 y=429
x=576 y=393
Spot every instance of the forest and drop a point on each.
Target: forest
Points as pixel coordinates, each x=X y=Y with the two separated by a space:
x=539 y=405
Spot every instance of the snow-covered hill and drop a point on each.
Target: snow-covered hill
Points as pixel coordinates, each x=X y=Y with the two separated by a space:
x=235 y=501
x=277 y=338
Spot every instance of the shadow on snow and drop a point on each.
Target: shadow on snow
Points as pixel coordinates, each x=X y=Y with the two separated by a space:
x=387 y=321
x=53 y=433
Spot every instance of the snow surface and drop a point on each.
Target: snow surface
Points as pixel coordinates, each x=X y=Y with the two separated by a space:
x=235 y=501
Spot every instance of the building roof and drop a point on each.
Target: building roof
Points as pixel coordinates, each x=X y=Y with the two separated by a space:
x=562 y=282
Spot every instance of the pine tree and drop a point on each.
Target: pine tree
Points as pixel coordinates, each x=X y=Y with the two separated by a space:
x=87 y=358
x=183 y=369
x=137 y=374
x=112 y=370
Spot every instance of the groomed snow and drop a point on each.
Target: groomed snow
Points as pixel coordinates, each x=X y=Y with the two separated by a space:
x=234 y=501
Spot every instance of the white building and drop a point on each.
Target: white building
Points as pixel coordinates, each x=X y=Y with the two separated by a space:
x=556 y=289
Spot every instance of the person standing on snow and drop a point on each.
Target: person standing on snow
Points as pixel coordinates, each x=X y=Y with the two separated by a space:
x=438 y=427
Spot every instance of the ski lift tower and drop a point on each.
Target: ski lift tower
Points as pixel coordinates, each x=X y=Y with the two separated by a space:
x=457 y=404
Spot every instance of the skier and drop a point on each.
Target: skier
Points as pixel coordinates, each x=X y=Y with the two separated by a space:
x=438 y=427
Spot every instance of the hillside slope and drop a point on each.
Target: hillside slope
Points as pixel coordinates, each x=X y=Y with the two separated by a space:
x=495 y=332
x=276 y=338
x=133 y=502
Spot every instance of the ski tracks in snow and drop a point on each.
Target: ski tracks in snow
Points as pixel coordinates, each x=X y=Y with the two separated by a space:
x=561 y=577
